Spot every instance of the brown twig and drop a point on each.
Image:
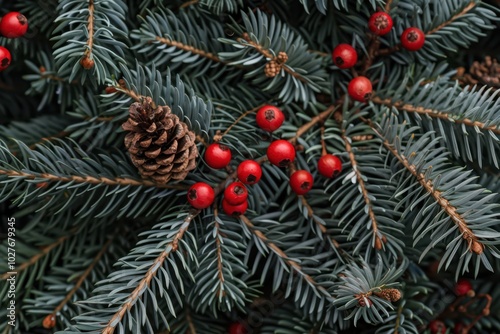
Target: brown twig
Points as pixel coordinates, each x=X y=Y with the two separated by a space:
x=434 y=114
x=84 y=276
x=280 y=253
x=474 y=245
x=43 y=251
x=315 y=120
x=90 y=28
x=90 y=180
x=188 y=48
x=322 y=228
x=372 y=53
x=464 y=11
x=188 y=3
x=388 y=6
x=377 y=235
x=220 y=268
x=49 y=139
x=246 y=113
x=142 y=285
x=260 y=49
x=189 y=320
x=323 y=142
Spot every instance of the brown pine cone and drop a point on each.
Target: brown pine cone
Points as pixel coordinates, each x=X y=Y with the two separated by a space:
x=272 y=69
x=282 y=57
x=160 y=145
x=392 y=295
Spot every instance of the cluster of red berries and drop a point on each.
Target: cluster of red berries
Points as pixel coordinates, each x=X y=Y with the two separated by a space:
x=345 y=56
x=280 y=153
x=12 y=25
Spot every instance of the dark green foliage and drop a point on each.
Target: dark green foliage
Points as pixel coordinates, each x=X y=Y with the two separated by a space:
x=108 y=251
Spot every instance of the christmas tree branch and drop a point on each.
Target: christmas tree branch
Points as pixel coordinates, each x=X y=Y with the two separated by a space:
x=464 y=11
x=322 y=228
x=474 y=245
x=90 y=28
x=219 y=252
x=188 y=3
x=281 y=254
x=120 y=181
x=43 y=251
x=246 y=113
x=401 y=106
x=84 y=276
x=315 y=120
x=61 y=134
x=144 y=283
x=260 y=49
x=388 y=6
x=189 y=48
x=377 y=235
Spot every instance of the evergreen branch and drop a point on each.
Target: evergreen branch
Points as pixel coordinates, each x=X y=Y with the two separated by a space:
x=315 y=120
x=84 y=276
x=189 y=48
x=119 y=181
x=246 y=113
x=464 y=11
x=188 y=3
x=189 y=320
x=58 y=135
x=377 y=235
x=310 y=214
x=220 y=274
x=388 y=5
x=433 y=113
x=281 y=254
x=474 y=245
x=43 y=251
x=145 y=282
x=268 y=55
x=90 y=28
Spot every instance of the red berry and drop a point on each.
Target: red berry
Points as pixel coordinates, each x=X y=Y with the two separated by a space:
x=200 y=195
x=301 y=182
x=329 y=165
x=269 y=118
x=360 y=89
x=237 y=328
x=236 y=193
x=281 y=153
x=462 y=287
x=234 y=210
x=437 y=327
x=344 y=56
x=380 y=23
x=13 y=25
x=249 y=172
x=412 y=39
x=217 y=155
x=5 y=58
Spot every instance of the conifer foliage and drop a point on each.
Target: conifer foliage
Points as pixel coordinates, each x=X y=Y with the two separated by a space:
x=223 y=166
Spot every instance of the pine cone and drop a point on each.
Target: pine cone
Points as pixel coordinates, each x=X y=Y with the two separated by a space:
x=282 y=57
x=160 y=145
x=392 y=295
x=272 y=69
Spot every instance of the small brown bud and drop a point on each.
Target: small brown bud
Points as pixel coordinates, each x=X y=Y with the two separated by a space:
x=87 y=63
x=42 y=185
x=43 y=69
x=110 y=90
x=49 y=321
x=363 y=302
x=477 y=247
x=392 y=295
x=378 y=243
x=282 y=57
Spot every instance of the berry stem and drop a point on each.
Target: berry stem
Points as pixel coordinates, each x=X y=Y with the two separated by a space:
x=218 y=137
x=317 y=119
x=323 y=143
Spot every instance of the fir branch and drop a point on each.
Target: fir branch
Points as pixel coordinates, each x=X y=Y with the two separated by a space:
x=388 y=5
x=43 y=251
x=245 y=114
x=377 y=235
x=315 y=120
x=189 y=48
x=474 y=245
x=433 y=113
x=90 y=28
x=218 y=246
x=464 y=11
x=84 y=276
x=310 y=214
x=58 y=135
x=119 y=181
x=268 y=55
x=144 y=283
x=281 y=254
